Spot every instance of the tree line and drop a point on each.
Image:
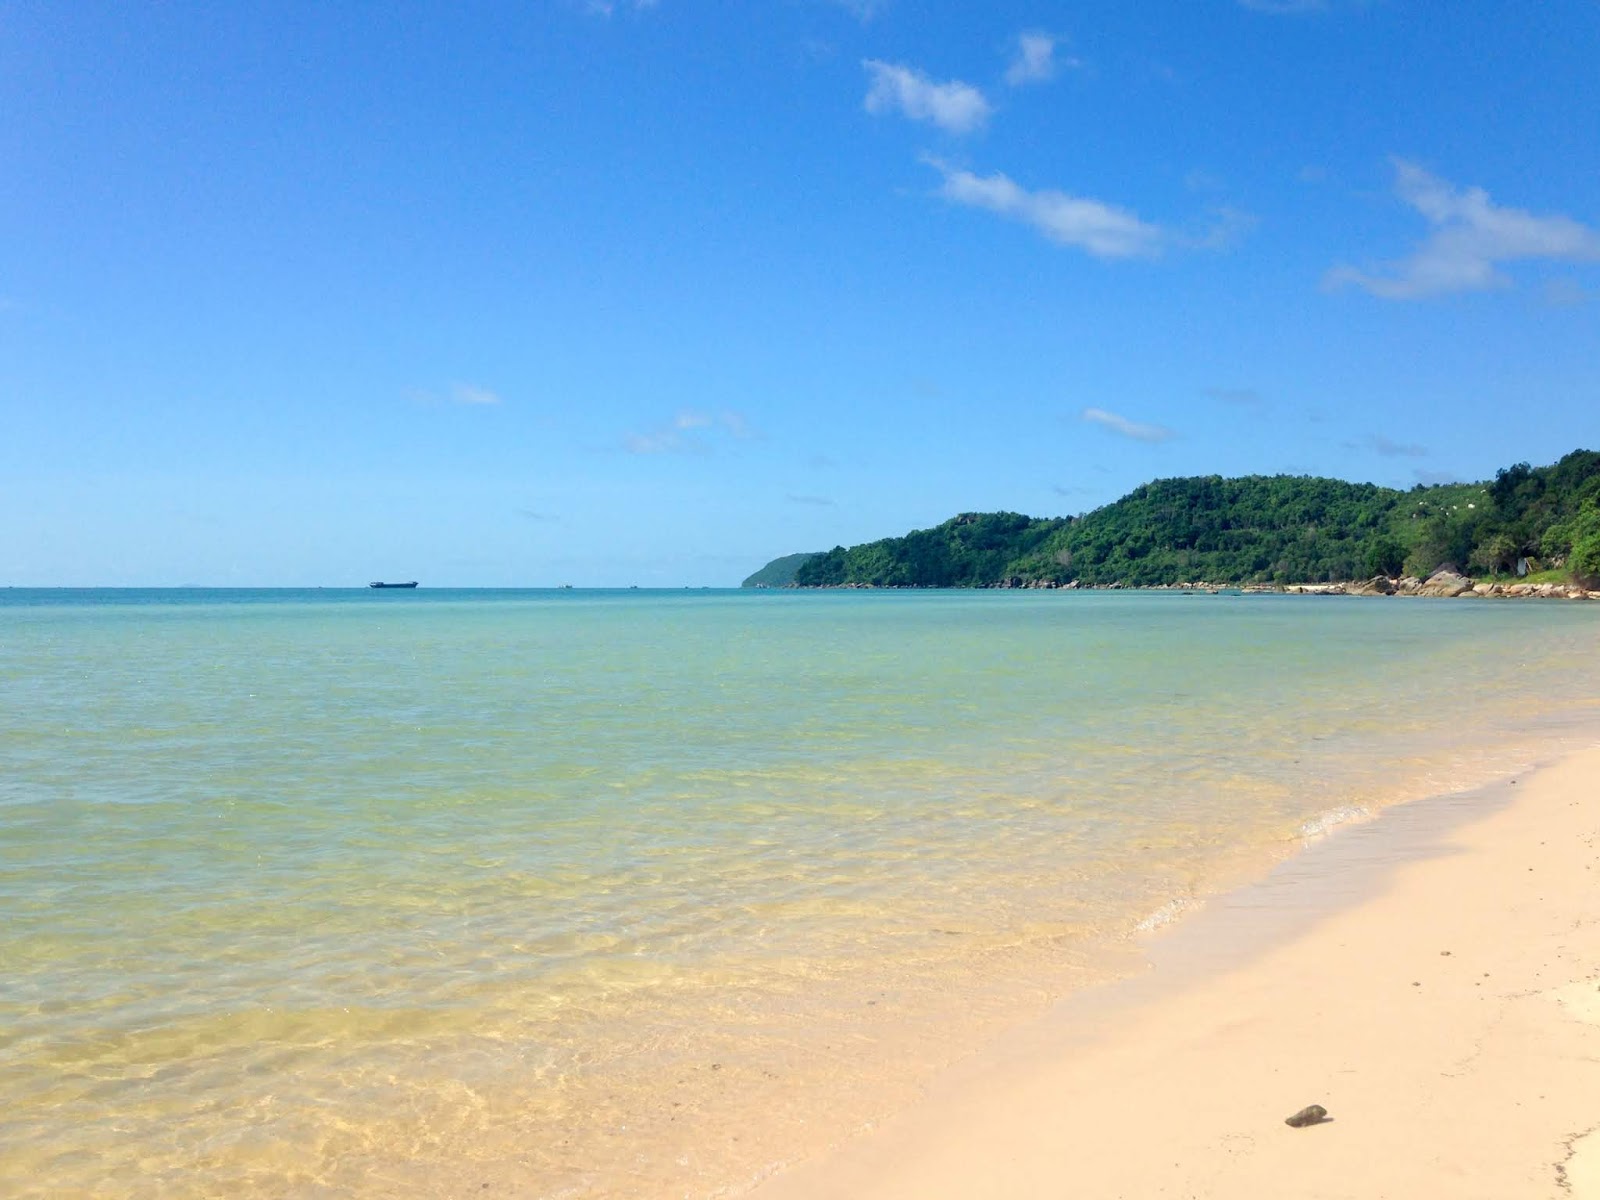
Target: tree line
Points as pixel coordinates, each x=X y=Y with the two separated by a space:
x=1256 y=529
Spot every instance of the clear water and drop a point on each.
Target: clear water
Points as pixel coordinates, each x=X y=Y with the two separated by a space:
x=637 y=893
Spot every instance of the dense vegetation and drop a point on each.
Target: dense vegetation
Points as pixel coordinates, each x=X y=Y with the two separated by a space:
x=779 y=572
x=1284 y=529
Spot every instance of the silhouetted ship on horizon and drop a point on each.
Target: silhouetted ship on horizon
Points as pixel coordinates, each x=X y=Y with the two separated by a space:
x=412 y=584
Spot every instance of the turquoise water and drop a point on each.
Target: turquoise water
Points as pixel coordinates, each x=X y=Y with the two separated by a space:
x=588 y=893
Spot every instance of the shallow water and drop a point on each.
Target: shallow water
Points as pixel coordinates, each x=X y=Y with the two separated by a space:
x=579 y=893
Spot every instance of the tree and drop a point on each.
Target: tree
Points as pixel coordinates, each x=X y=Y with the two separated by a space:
x=1385 y=556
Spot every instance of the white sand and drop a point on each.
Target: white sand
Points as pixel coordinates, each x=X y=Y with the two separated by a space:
x=1472 y=1073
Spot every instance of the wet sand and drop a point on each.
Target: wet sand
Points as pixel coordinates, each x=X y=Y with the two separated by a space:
x=1431 y=977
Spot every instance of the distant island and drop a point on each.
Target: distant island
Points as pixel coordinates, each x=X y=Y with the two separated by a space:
x=1539 y=524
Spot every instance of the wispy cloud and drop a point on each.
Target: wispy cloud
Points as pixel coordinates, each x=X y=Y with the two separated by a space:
x=1101 y=229
x=954 y=106
x=1072 y=491
x=608 y=8
x=1033 y=60
x=1123 y=427
x=862 y=10
x=1557 y=293
x=530 y=514
x=1387 y=447
x=1221 y=228
x=466 y=393
x=1284 y=7
x=692 y=431
x=1471 y=237
x=813 y=501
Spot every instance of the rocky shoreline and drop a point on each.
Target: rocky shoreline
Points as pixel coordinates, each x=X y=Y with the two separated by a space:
x=1446 y=583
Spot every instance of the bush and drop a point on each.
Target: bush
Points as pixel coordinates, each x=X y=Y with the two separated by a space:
x=1585 y=561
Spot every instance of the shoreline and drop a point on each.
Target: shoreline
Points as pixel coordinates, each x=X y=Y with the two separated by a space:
x=1457 y=586
x=1431 y=976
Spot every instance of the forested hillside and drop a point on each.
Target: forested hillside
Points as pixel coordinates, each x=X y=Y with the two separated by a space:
x=1258 y=529
x=779 y=572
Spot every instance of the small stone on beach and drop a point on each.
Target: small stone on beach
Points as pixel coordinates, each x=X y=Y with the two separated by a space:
x=1311 y=1114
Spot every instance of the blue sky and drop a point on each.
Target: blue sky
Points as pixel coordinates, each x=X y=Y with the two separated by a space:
x=617 y=293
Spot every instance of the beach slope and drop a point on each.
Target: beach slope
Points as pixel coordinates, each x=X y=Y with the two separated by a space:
x=1432 y=978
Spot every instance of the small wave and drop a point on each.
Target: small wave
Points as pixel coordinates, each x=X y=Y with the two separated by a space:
x=1325 y=823
x=1165 y=915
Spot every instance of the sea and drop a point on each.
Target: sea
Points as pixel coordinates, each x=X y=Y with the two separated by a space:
x=575 y=893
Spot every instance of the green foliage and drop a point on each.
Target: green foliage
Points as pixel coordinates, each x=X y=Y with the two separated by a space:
x=1584 y=559
x=779 y=572
x=1445 y=539
x=1223 y=530
x=972 y=550
x=1385 y=555
x=1254 y=529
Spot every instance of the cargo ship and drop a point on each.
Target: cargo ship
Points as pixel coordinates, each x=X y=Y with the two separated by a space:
x=412 y=584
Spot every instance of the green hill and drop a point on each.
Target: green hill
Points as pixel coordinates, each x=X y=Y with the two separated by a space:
x=1257 y=529
x=779 y=572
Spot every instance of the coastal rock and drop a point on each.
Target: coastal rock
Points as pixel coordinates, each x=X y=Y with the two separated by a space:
x=1409 y=585
x=1446 y=581
x=1378 y=585
x=1311 y=1114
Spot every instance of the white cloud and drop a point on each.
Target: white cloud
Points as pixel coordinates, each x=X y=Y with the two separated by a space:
x=1387 y=447
x=954 y=106
x=1125 y=428
x=1102 y=230
x=466 y=393
x=659 y=441
x=1034 y=60
x=690 y=432
x=1471 y=237
x=813 y=501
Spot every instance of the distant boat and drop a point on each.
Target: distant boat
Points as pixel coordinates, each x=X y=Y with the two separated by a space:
x=412 y=584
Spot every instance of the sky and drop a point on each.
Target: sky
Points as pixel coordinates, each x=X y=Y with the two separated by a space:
x=615 y=292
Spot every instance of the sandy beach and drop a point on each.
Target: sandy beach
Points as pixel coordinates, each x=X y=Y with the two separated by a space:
x=1431 y=977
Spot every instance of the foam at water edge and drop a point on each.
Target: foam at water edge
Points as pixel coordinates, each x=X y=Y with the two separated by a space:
x=1325 y=823
x=1166 y=914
